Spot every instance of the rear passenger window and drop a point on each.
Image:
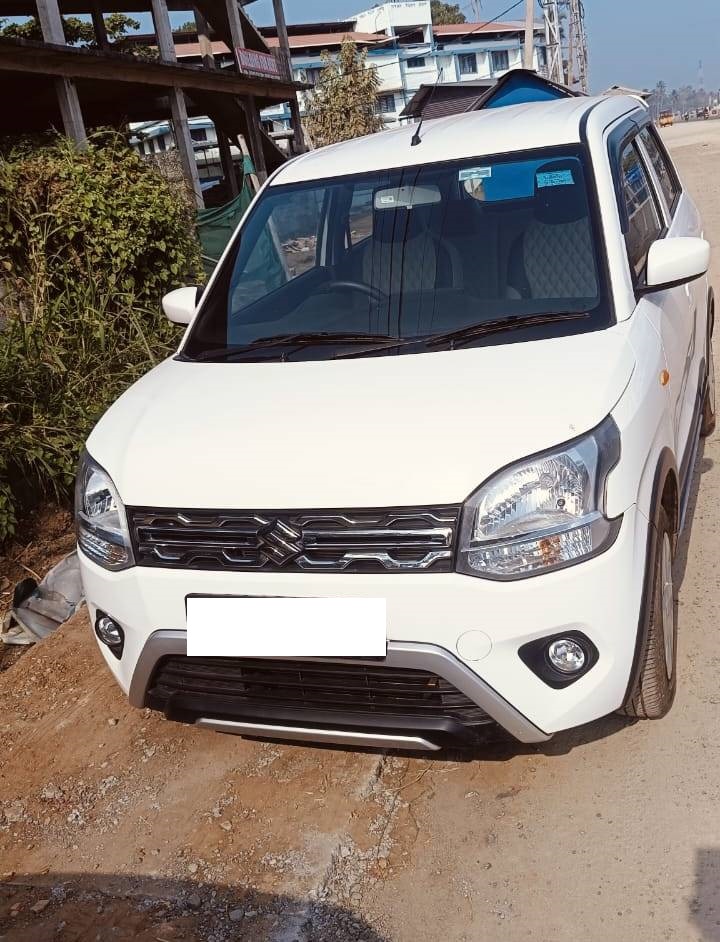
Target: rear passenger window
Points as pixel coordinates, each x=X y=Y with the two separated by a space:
x=662 y=166
x=642 y=213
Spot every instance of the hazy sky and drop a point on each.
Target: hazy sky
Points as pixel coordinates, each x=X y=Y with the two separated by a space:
x=632 y=42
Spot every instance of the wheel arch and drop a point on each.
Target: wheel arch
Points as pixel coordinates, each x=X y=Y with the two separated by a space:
x=665 y=496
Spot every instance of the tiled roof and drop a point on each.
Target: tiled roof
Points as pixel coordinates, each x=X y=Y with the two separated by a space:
x=320 y=40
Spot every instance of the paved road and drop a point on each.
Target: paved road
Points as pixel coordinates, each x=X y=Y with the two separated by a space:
x=611 y=832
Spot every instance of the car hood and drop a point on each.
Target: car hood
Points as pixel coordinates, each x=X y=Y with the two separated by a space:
x=367 y=432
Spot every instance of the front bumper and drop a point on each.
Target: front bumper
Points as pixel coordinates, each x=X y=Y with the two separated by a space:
x=465 y=629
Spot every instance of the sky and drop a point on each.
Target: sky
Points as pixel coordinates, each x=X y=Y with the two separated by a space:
x=631 y=42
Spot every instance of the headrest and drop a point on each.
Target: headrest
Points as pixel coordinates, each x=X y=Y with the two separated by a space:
x=400 y=225
x=559 y=193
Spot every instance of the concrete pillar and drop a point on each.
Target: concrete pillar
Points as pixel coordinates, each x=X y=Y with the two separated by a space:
x=178 y=108
x=298 y=136
x=71 y=111
x=252 y=114
x=51 y=25
x=529 y=47
x=203 y=31
x=251 y=111
x=98 y=22
x=254 y=182
x=51 y=22
x=163 y=30
x=228 y=167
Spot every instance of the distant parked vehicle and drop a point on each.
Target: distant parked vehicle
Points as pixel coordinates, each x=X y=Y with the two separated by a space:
x=666 y=118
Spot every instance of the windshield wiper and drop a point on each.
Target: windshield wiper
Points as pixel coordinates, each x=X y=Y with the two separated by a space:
x=466 y=334
x=301 y=339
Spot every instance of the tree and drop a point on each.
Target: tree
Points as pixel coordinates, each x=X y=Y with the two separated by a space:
x=342 y=104
x=189 y=26
x=446 y=13
x=77 y=31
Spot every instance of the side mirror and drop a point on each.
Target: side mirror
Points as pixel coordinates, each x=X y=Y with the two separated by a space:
x=672 y=262
x=179 y=305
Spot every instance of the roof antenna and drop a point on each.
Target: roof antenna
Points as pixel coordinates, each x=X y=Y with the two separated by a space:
x=416 y=139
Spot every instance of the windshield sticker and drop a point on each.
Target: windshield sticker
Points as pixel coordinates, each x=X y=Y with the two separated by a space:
x=555 y=178
x=474 y=173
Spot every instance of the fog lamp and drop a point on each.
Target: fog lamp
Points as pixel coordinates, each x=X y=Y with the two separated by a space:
x=566 y=655
x=110 y=633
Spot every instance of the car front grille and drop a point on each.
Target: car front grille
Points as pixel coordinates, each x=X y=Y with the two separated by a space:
x=230 y=685
x=406 y=539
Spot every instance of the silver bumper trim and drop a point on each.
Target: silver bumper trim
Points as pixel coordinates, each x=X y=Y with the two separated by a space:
x=341 y=737
x=409 y=654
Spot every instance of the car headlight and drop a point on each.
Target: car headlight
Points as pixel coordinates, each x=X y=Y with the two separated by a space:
x=100 y=523
x=543 y=513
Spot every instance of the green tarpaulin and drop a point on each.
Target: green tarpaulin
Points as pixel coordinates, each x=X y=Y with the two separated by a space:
x=216 y=225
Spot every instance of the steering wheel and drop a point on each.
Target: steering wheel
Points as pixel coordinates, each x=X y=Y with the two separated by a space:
x=345 y=285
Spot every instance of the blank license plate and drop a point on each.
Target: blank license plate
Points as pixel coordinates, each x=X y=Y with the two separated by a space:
x=286 y=627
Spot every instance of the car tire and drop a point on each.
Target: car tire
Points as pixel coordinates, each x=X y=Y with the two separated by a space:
x=708 y=419
x=654 y=690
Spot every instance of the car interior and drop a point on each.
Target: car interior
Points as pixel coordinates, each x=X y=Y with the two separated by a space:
x=413 y=258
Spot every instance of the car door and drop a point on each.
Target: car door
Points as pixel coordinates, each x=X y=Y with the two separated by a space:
x=673 y=310
x=683 y=219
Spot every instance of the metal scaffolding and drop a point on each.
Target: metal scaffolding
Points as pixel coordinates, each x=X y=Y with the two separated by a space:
x=565 y=42
x=554 y=67
x=577 y=52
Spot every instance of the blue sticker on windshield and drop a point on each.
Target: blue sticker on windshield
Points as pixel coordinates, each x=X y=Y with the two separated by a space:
x=555 y=178
x=474 y=173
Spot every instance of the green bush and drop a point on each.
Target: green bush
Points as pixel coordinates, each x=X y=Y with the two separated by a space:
x=89 y=242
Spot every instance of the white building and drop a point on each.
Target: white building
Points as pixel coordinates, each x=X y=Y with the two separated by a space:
x=155 y=137
x=402 y=44
x=409 y=51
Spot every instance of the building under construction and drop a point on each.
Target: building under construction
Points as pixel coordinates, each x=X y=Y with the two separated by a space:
x=51 y=84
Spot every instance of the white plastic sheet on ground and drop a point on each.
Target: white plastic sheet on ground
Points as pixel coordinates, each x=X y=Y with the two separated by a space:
x=51 y=603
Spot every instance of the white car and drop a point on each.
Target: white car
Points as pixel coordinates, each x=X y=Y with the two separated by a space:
x=419 y=466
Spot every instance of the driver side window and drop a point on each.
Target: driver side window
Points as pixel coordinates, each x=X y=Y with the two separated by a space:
x=286 y=248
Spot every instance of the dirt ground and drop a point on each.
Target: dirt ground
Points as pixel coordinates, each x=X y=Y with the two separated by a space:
x=117 y=825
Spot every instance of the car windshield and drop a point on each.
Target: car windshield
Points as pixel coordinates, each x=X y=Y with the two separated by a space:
x=409 y=254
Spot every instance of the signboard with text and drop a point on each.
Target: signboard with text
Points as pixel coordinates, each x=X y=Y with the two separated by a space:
x=258 y=63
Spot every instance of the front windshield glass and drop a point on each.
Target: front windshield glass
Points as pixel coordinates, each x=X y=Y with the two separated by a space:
x=411 y=254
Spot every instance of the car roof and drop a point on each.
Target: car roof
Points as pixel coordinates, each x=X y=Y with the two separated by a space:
x=497 y=130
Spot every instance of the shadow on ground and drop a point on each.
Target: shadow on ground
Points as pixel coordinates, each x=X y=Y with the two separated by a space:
x=705 y=904
x=113 y=908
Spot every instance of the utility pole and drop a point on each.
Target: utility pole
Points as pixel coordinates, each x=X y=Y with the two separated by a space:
x=529 y=58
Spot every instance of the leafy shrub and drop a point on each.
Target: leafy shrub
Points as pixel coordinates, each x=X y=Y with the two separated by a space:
x=89 y=242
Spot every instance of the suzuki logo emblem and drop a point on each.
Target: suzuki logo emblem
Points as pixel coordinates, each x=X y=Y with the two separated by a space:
x=278 y=542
